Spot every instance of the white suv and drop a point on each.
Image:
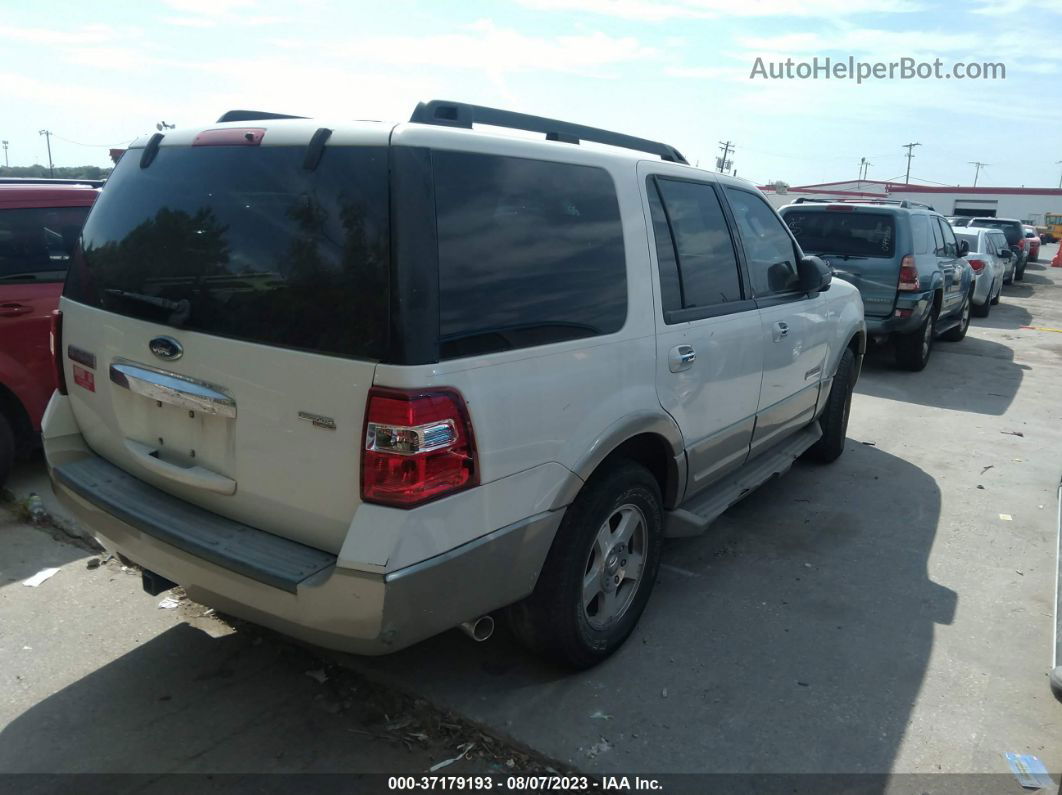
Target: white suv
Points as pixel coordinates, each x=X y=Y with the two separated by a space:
x=366 y=382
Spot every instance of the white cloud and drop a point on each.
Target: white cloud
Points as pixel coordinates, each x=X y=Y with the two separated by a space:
x=87 y=35
x=105 y=57
x=210 y=8
x=649 y=11
x=998 y=8
x=892 y=44
x=708 y=72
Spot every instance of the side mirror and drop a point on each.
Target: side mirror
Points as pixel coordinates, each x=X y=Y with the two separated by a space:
x=1006 y=253
x=964 y=248
x=815 y=275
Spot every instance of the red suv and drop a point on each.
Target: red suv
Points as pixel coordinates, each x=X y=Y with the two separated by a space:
x=40 y=223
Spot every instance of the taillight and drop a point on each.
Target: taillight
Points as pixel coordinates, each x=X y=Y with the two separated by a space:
x=908 y=275
x=977 y=264
x=418 y=446
x=1021 y=244
x=55 y=341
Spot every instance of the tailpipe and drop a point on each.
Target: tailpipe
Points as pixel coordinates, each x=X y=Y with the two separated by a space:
x=479 y=629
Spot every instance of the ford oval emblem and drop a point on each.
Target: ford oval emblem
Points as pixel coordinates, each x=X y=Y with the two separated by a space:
x=166 y=348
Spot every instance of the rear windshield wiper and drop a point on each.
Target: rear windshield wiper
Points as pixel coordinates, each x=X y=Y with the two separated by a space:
x=844 y=256
x=13 y=276
x=180 y=309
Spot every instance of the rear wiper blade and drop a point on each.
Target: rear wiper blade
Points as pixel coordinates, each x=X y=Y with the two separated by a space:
x=180 y=309
x=12 y=276
x=844 y=256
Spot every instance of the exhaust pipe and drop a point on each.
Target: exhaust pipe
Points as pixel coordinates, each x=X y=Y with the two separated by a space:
x=479 y=629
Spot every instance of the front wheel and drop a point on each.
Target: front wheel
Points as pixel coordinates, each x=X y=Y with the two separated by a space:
x=599 y=572
x=834 y=418
x=913 y=349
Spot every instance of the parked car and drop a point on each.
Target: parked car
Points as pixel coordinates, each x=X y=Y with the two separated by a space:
x=1032 y=242
x=364 y=383
x=906 y=262
x=1015 y=234
x=39 y=225
x=991 y=260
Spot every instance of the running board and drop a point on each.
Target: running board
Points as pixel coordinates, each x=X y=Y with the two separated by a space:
x=694 y=517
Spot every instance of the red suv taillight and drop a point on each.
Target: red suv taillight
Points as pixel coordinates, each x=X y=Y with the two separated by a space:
x=908 y=275
x=55 y=340
x=418 y=446
x=1021 y=243
x=977 y=264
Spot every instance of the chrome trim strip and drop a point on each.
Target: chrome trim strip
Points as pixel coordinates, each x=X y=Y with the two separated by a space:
x=174 y=390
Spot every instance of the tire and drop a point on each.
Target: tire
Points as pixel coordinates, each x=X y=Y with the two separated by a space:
x=913 y=349
x=558 y=620
x=834 y=418
x=1019 y=273
x=7 y=449
x=956 y=333
x=999 y=292
x=984 y=309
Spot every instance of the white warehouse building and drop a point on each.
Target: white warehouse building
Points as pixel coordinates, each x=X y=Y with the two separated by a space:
x=1026 y=204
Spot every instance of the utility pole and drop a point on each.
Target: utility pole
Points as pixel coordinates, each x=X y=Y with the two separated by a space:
x=910 y=154
x=864 y=166
x=977 y=169
x=6 y=164
x=722 y=163
x=1059 y=163
x=48 y=139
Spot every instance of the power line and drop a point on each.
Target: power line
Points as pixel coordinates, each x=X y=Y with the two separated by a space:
x=94 y=146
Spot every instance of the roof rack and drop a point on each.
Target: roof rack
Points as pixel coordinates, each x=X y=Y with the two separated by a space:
x=253 y=115
x=904 y=203
x=92 y=183
x=461 y=114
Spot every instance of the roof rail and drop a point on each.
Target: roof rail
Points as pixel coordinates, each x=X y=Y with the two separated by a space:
x=461 y=114
x=253 y=115
x=904 y=203
x=91 y=183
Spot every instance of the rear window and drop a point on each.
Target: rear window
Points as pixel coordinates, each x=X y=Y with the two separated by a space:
x=853 y=233
x=969 y=237
x=530 y=252
x=243 y=242
x=1011 y=230
x=36 y=243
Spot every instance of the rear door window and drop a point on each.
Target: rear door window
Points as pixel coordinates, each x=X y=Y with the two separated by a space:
x=243 y=242
x=856 y=234
x=938 y=238
x=36 y=243
x=769 y=251
x=951 y=247
x=530 y=253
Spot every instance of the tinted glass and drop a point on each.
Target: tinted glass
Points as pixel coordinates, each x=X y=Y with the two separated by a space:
x=938 y=238
x=670 y=285
x=530 y=252
x=856 y=234
x=951 y=248
x=971 y=240
x=36 y=244
x=768 y=248
x=920 y=236
x=243 y=242
x=1011 y=229
x=707 y=263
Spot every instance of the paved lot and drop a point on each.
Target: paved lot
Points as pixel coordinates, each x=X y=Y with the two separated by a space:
x=875 y=615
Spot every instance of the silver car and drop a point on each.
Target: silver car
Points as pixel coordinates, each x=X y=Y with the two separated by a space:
x=992 y=262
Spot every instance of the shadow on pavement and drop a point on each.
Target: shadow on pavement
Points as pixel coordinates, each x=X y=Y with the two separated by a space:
x=186 y=702
x=792 y=637
x=26 y=551
x=950 y=380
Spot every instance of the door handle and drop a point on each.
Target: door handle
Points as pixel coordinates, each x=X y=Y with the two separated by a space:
x=680 y=358
x=12 y=310
x=781 y=330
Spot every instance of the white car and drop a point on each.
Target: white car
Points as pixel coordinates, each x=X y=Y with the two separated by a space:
x=992 y=262
x=366 y=382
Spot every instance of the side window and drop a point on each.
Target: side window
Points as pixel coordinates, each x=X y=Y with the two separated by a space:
x=938 y=238
x=530 y=253
x=768 y=248
x=951 y=246
x=707 y=263
x=667 y=262
x=36 y=244
x=920 y=234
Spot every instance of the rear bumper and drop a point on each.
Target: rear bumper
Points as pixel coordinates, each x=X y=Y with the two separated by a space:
x=918 y=304
x=287 y=586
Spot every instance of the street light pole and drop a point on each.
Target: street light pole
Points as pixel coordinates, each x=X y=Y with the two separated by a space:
x=910 y=154
x=48 y=139
x=6 y=164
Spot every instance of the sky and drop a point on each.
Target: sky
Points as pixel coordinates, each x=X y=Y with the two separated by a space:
x=101 y=74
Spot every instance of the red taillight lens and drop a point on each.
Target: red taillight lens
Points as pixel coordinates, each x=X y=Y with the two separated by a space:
x=1021 y=243
x=418 y=446
x=977 y=264
x=908 y=275
x=56 y=343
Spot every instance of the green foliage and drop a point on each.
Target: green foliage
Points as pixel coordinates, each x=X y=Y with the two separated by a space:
x=61 y=172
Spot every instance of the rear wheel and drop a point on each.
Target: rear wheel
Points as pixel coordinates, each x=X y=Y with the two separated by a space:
x=913 y=349
x=956 y=333
x=7 y=449
x=599 y=572
x=834 y=418
x=984 y=309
